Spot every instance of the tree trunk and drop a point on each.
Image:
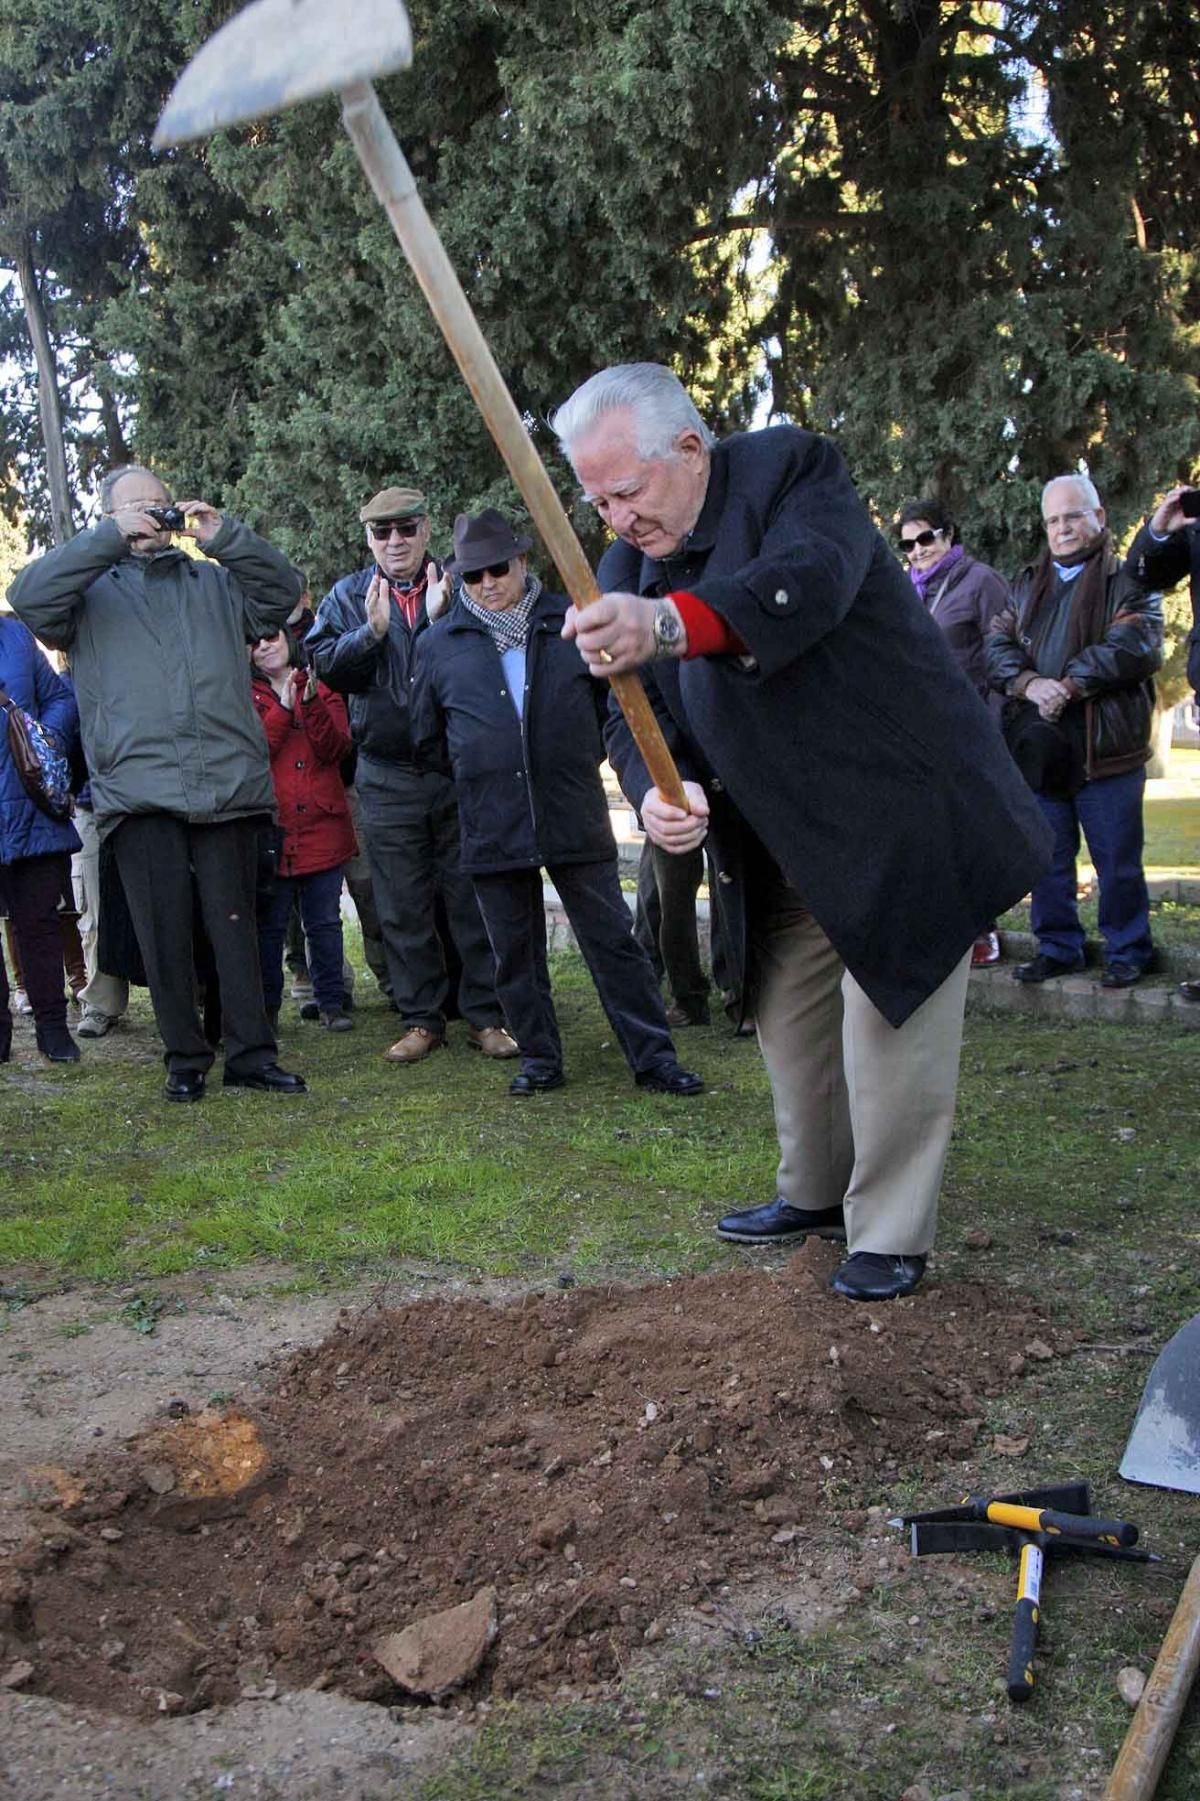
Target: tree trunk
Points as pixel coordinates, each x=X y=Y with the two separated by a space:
x=61 y=517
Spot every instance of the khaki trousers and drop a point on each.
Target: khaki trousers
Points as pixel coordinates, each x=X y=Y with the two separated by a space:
x=863 y=1109
x=104 y=993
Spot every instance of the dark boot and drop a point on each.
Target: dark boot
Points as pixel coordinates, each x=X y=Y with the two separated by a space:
x=55 y=1041
x=5 y=1037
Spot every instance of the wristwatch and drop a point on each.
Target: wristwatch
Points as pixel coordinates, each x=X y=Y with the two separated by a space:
x=668 y=630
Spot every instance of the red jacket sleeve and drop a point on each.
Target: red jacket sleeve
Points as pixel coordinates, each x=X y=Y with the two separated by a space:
x=326 y=724
x=276 y=720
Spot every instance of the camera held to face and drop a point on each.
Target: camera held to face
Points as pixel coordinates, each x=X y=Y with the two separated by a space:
x=171 y=519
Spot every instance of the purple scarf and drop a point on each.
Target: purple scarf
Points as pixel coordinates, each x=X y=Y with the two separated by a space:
x=922 y=578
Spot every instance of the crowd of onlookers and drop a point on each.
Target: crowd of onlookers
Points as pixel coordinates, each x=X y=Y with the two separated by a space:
x=245 y=760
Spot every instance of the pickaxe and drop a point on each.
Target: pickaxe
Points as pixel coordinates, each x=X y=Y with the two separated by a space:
x=276 y=53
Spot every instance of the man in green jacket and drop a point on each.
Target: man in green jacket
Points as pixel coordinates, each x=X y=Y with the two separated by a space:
x=180 y=779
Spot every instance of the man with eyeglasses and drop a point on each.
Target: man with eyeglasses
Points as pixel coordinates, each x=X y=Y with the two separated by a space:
x=180 y=781
x=1079 y=645
x=363 y=643
x=866 y=820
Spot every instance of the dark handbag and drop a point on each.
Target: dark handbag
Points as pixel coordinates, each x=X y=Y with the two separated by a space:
x=1050 y=756
x=44 y=772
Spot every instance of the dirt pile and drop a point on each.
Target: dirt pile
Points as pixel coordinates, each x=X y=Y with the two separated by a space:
x=598 y=1457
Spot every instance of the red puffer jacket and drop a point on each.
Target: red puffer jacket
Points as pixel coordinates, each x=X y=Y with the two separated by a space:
x=306 y=744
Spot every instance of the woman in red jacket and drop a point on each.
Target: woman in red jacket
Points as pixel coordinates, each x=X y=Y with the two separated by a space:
x=307 y=738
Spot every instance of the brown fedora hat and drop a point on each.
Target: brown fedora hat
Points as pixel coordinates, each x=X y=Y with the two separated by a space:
x=481 y=539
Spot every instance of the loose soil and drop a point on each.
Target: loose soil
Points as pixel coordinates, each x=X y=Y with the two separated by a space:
x=600 y=1457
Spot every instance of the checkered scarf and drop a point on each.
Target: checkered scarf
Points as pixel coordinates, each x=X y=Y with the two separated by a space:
x=509 y=630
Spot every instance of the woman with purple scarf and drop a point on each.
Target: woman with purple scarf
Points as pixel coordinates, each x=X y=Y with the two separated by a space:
x=963 y=596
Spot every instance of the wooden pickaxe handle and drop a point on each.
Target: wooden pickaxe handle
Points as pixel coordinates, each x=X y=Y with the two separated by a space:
x=392 y=179
x=1147 y=1743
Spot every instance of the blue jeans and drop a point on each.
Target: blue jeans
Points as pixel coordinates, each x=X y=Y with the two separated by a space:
x=320 y=912
x=1110 y=814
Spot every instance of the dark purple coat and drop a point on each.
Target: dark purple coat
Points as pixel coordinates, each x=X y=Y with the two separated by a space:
x=853 y=747
x=962 y=604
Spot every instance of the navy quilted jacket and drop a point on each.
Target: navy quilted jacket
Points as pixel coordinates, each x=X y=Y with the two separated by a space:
x=27 y=678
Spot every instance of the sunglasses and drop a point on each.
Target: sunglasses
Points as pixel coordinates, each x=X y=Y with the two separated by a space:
x=496 y=570
x=908 y=545
x=407 y=528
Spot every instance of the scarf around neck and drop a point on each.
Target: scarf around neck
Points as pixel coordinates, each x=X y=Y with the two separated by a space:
x=509 y=630
x=922 y=579
x=1087 y=593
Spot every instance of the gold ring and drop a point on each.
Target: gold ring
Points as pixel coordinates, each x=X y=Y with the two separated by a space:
x=605 y=656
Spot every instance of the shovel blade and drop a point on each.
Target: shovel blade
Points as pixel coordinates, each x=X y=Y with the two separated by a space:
x=275 y=53
x=1164 y=1446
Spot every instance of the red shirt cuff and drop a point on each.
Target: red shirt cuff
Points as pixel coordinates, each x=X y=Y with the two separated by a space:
x=708 y=635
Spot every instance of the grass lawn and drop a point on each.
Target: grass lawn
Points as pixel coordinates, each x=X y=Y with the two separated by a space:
x=1075 y=1152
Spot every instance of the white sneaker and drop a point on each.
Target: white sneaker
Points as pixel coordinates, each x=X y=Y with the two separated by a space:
x=94 y=1024
x=301 y=989
x=20 y=1001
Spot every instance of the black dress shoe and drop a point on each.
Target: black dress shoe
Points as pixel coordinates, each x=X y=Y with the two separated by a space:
x=868 y=1276
x=778 y=1223
x=268 y=1079
x=56 y=1043
x=1121 y=975
x=185 y=1085
x=670 y=1080
x=1042 y=968
x=532 y=1082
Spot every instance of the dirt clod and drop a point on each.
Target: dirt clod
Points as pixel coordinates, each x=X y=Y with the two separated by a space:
x=436 y=1655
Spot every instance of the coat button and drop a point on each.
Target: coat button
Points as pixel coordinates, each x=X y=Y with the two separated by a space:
x=781 y=597
x=724 y=878
x=300 y=763
x=716 y=786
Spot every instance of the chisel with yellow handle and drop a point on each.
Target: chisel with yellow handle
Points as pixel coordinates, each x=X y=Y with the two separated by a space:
x=1052 y=1522
x=1026 y=1621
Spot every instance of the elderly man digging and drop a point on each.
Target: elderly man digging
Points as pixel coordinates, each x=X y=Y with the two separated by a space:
x=864 y=810
x=496 y=684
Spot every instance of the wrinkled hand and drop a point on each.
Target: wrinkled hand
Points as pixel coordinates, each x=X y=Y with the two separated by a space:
x=613 y=634
x=670 y=827
x=1169 y=516
x=206 y=521
x=379 y=604
x=1048 y=695
x=437 y=593
x=133 y=523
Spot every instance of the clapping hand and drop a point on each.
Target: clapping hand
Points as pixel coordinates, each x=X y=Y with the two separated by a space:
x=379 y=604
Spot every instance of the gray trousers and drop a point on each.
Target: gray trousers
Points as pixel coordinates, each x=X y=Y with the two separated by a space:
x=103 y=994
x=410 y=827
x=863 y=1109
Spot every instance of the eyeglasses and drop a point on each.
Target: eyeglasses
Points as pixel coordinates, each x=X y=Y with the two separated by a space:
x=908 y=545
x=496 y=570
x=407 y=528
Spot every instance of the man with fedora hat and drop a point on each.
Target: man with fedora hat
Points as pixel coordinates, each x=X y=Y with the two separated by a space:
x=362 y=644
x=499 y=690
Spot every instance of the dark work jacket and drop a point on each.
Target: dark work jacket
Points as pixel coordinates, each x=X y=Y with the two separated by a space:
x=852 y=745
x=1162 y=563
x=1113 y=713
x=529 y=789
x=374 y=673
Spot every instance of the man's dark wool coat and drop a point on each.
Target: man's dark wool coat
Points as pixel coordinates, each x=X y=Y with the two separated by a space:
x=852 y=745
x=529 y=789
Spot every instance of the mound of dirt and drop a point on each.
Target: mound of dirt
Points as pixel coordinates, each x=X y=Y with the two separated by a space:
x=597 y=1457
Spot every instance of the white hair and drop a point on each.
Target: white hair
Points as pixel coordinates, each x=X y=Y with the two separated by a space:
x=661 y=406
x=1090 y=491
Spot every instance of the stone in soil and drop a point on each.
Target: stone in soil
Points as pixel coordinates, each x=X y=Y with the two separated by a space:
x=600 y=1457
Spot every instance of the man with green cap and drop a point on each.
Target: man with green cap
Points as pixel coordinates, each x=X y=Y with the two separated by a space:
x=362 y=644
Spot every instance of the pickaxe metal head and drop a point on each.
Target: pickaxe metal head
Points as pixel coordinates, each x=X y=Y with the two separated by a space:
x=275 y=53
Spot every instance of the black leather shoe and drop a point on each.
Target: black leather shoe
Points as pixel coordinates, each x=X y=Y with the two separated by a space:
x=1189 y=991
x=671 y=1080
x=269 y=1079
x=1121 y=975
x=533 y=1083
x=185 y=1085
x=867 y=1276
x=1042 y=968
x=779 y=1223
x=56 y=1043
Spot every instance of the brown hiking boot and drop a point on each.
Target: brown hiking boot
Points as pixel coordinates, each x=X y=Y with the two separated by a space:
x=493 y=1041
x=416 y=1043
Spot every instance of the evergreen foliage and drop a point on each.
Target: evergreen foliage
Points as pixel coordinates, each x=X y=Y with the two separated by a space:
x=956 y=236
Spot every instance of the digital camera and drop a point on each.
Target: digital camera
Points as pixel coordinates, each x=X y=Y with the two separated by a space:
x=171 y=519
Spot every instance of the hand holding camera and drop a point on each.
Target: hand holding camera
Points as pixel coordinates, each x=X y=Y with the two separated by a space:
x=1178 y=508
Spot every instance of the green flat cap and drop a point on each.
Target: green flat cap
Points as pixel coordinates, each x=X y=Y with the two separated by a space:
x=393 y=503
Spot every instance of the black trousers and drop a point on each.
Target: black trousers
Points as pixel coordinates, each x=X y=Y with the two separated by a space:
x=31 y=889
x=410 y=826
x=514 y=913
x=162 y=862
